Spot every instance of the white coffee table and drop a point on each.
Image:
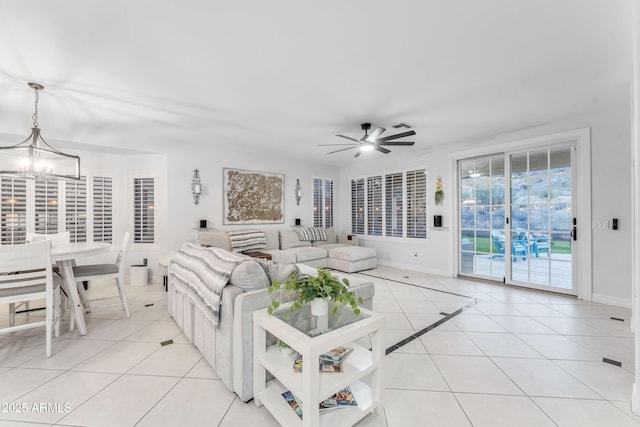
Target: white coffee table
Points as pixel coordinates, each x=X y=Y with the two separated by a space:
x=311 y=387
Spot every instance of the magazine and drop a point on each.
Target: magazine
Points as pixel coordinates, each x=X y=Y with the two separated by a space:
x=342 y=398
x=297 y=364
x=336 y=355
x=330 y=367
x=324 y=366
x=288 y=396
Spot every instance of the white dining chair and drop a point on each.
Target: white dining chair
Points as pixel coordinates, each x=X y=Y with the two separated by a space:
x=104 y=271
x=56 y=239
x=26 y=275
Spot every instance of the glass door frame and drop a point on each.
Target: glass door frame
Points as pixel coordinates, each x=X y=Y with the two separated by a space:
x=509 y=231
x=581 y=248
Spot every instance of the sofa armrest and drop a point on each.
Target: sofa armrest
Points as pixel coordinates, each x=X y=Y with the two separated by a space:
x=348 y=239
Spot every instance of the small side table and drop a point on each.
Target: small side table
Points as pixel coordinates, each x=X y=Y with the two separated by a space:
x=310 y=387
x=260 y=255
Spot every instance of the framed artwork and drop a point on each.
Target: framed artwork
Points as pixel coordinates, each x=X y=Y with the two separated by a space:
x=252 y=197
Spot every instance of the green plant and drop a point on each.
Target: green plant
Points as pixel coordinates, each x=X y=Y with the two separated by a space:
x=308 y=288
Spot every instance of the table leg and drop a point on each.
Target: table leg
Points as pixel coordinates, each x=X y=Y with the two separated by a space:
x=71 y=288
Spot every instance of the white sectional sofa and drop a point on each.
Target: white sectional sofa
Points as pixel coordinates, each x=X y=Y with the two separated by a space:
x=228 y=346
x=339 y=252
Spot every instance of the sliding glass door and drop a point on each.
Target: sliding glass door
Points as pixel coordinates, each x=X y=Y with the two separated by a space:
x=516 y=216
x=541 y=218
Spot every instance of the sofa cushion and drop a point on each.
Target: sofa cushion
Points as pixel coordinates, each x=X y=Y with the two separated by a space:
x=273 y=239
x=278 y=255
x=352 y=253
x=247 y=240
x=289 y=239
x=308 y=253
x=216 y=239
x=327 y=247
x=311 y=233
x=249 y=275
x=280 y=272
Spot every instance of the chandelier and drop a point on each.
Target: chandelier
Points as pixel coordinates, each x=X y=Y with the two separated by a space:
x=34 y=157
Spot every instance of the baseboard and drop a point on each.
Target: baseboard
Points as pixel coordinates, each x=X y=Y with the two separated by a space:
x=609 y=300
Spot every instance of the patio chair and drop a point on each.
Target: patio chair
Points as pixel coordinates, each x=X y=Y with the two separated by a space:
x=518 y=247
x=26 y=275
x=535 y=243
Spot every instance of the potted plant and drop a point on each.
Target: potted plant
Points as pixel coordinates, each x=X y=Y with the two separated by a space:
x=324 y=286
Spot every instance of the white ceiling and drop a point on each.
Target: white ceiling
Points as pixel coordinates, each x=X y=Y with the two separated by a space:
x=290 y=74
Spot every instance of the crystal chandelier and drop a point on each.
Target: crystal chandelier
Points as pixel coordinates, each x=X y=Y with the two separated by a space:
x=34 y=157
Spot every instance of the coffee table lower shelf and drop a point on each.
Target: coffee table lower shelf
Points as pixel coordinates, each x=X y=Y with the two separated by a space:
x=271 y=398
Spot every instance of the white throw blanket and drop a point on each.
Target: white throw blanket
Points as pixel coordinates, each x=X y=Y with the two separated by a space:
x=202 y=273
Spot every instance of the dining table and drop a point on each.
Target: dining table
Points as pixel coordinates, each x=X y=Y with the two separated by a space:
x=64 y=255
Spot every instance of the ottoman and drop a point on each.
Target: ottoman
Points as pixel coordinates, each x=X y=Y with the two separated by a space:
x=352 y=258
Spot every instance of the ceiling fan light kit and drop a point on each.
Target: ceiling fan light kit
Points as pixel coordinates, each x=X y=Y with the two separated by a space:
x=373 y=141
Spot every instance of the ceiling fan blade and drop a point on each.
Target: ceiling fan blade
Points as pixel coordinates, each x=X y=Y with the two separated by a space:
x=382 y=149
x=397 y=143
x=375 y=134
x=396 y=136
x=344 y=144
x=358 y=153
x=349 y=138
x=344 y=149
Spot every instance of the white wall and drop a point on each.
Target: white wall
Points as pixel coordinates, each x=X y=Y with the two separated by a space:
x=184 y=216
x=610 y=194
x=123 y=167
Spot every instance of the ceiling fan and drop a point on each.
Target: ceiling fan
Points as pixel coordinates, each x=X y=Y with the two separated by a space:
x=373 y=141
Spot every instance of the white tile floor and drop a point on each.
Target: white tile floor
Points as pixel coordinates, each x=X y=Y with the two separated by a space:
x=515 y=358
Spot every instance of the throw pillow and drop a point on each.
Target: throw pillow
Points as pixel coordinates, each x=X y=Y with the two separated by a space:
x=311 y=234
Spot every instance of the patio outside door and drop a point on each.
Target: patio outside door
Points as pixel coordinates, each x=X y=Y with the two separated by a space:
x=516 y=218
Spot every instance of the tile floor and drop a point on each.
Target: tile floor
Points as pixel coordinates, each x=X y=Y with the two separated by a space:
x=514 y=358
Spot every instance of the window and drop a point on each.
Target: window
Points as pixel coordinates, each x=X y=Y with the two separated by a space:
x=102 y=209
x=76 y=209
x=322 y=202
x=395 y=205
x=144 y=227
x=374 y=206
x=417 y=204
x=13 y=210
x=357 y=206
x=46 y=206
x=52 y=206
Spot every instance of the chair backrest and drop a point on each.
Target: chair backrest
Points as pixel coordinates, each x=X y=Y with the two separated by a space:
x=25 y=265
x=123 y=249
x=56 y=238
x=497 y=235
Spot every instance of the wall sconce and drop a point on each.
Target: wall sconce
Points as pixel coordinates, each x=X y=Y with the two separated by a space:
x=196 y=186
x=298 y=192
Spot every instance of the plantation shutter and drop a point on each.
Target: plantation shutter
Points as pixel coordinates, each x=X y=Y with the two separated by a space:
x=144 y=210
x=46 y=206
x=102 y=209
x=374 y=206
x=357 y=206
x=76 y=209
x=328 y=203
x=393 y=203
x=417 y=204
x=317 y=202
x=13 y=210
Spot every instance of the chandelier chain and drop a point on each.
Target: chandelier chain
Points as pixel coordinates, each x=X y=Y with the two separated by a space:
x=35 y=114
